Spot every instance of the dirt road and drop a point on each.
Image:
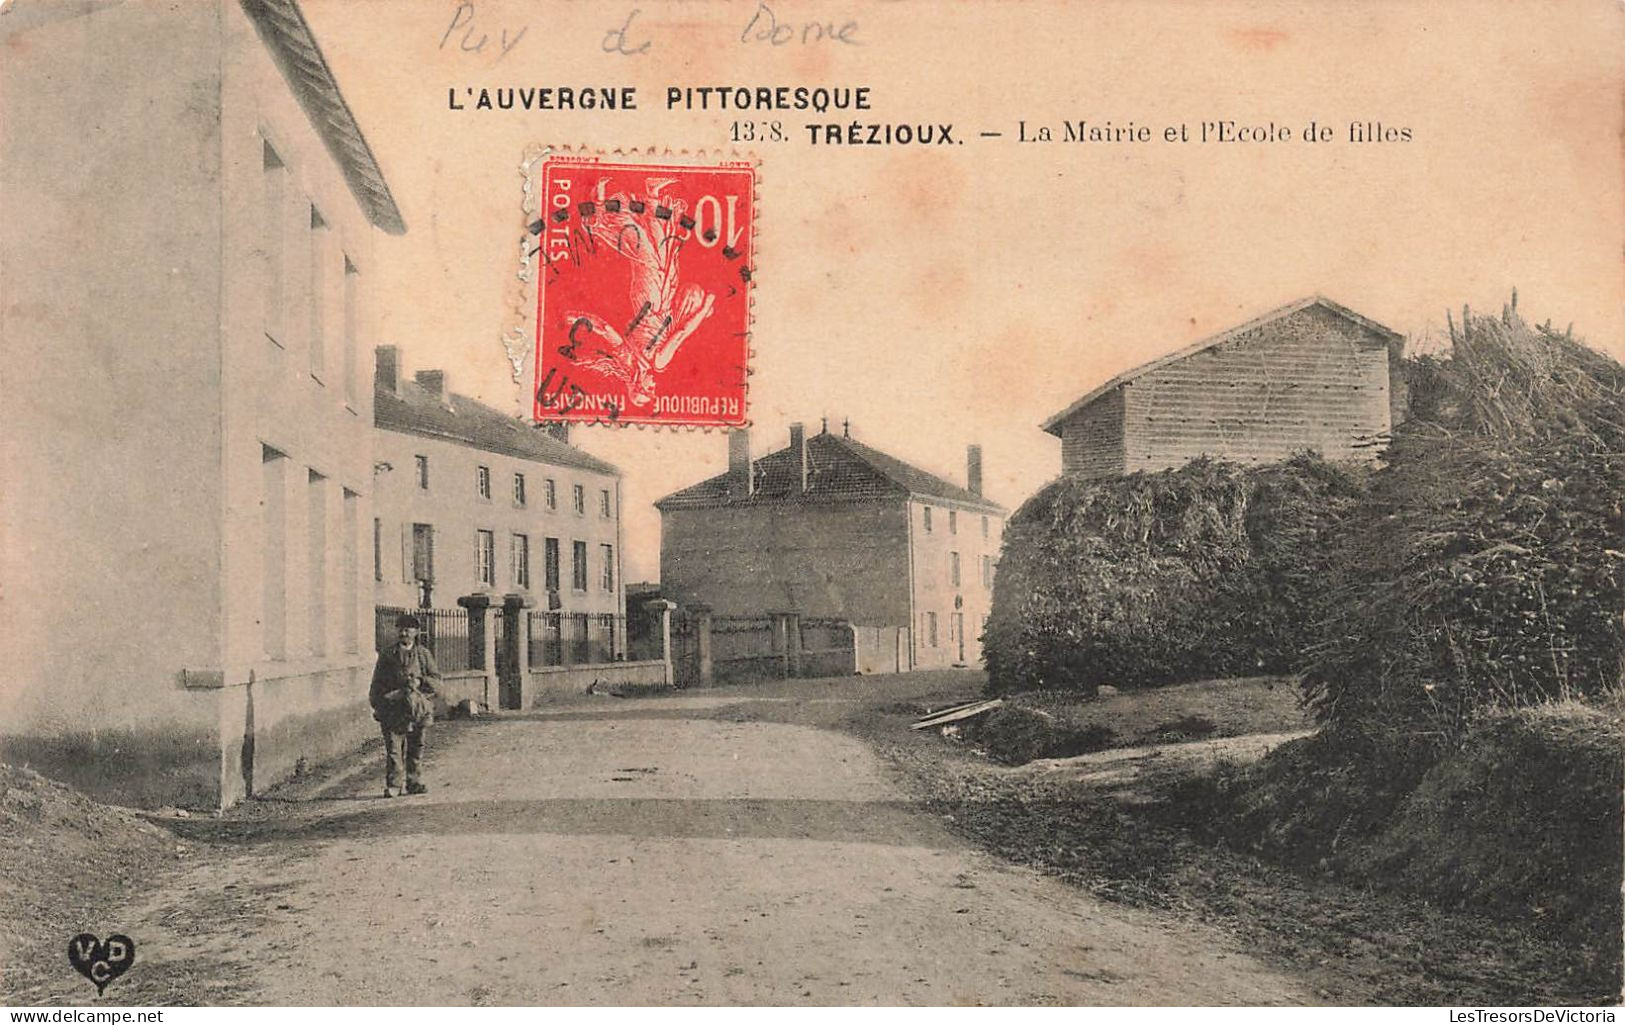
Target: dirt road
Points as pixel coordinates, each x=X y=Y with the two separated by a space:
x=641 y=852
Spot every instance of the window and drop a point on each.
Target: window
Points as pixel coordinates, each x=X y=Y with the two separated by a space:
x=272 y=231
x=579 y=499
x=351 y=327
x=603 y=503
x=953 y=568
x=927 y=512
x=318 y=294
x=987 y=571
x=550 y=494
x=984 y=526
x=274 y=551
x=607 y=577
x=550 y=560
x=423 y=472
x=931 y=629
x=316 y=563
x=485 y=556
x=578 y=564
x=519 y=489
x=422 y=552
x=377 y=549
x=482 y=482
x=953 y=521
x=352 y=571
x=519 y=560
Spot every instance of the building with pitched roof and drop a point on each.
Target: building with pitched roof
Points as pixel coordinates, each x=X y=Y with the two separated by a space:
x=472 y=500
x=830 y=527
x=187 y=471
x=1309 y=375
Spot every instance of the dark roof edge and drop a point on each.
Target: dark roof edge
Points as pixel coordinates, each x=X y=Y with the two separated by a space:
x=984 y=504
x=1052 y=425
x=672 y=501
x=969 y=498
x=344 y=139
x=607 y=468
x=900 y=480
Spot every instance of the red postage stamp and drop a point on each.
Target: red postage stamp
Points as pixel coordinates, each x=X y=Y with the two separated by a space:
x=643 y=291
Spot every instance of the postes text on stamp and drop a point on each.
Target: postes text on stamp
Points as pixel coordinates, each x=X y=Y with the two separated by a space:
x=643 y=294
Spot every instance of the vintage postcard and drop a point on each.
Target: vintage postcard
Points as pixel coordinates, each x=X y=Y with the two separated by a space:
x=513 y=503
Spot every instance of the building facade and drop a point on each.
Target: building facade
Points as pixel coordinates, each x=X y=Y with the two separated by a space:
x=829 y=527
x=187 y=473
x=1309 y=375
x=469 y=500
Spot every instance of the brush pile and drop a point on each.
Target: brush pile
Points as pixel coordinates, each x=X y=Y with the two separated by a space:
x=1468 y=662
x=1487 y=566
x=1456 y=618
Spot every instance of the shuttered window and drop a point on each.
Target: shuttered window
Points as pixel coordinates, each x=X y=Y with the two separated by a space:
x=485 y=554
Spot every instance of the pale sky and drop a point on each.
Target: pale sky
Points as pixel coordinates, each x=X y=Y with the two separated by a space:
x=961 y=294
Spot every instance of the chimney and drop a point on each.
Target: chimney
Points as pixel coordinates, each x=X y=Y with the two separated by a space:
x=798 y=452
x=434 y=382
x=557 y=429
x=973 y=469
x=741 y=482
x=386 y=369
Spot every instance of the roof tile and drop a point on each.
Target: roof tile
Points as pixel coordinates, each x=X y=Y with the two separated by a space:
x=415 y=410
x=840 y=470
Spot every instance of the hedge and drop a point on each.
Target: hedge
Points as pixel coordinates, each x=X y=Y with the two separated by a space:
x=1156 y=578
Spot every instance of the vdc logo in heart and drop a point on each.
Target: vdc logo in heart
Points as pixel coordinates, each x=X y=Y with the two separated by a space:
x=101 y=961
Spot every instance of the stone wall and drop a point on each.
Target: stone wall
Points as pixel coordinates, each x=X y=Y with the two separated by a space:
x=847 y=560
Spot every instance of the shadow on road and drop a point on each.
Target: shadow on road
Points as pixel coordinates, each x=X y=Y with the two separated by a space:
x=613 y=713
x=897 y=823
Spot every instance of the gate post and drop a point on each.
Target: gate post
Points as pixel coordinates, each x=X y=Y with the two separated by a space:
x=779 y=633
x=702 y=641
x=665 y=607
x=481 y=638
x=515 y=658
x=792 y=647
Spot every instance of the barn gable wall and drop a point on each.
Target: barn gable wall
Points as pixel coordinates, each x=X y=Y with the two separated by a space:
x=1092 y=441
x=1308 y=380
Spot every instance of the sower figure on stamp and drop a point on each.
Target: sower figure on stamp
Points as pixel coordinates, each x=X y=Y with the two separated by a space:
x=402 y=685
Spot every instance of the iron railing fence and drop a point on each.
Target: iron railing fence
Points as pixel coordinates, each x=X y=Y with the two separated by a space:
x=445 y=633
x=574 y=638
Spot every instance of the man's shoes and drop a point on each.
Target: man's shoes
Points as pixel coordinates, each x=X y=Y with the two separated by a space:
x=416 y=788
x=391 y=792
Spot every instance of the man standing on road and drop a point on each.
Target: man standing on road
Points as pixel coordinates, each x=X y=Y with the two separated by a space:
x=402 y=685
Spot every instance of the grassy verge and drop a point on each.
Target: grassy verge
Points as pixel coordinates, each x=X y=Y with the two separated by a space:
x=1355 y=943
x=1059 y=725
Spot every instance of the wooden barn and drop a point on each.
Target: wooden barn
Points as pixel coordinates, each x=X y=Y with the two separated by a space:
x=1310 y=375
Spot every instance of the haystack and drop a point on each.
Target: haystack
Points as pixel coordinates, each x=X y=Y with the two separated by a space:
x=1487 y=568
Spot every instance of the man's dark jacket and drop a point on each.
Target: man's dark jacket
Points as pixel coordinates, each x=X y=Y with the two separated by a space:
x=398 y=674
